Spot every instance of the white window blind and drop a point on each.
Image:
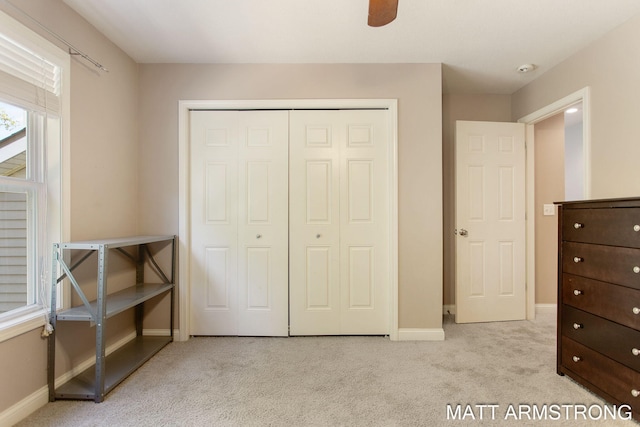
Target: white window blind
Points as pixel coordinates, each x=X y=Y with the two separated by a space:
x=27 y=77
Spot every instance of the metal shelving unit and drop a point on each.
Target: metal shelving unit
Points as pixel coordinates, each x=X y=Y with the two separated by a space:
x=98 y=380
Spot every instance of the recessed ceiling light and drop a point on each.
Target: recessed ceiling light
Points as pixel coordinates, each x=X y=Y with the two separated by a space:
x=571 y=110
x=525 y=68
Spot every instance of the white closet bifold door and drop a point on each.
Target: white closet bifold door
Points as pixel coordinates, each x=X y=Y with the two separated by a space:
x=239 y=223
x=339 y=222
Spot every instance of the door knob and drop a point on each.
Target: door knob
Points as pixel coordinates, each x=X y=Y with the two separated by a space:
x=463 y=232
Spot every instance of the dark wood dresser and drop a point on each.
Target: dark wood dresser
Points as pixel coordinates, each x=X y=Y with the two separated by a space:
x=599 y=297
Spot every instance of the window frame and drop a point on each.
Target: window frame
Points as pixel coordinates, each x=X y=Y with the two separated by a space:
x=56 y=204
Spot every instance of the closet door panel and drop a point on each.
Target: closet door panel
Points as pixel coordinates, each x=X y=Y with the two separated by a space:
x=217 y=287
x=360 y=181
x=360 y=282
x=259 y=281
x=214 y=213
x=364 y=224
x=259 y=175
x=318 y=278
x=239 y=223
x=344 y=218
x=263 y=217
x=318 y=191
x=314 y=180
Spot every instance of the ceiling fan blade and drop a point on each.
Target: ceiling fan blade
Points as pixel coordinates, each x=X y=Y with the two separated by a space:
x=381 y=12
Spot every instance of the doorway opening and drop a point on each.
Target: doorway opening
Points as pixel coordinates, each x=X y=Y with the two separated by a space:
x=559 y=176
x=577 y=184
x=573 y=153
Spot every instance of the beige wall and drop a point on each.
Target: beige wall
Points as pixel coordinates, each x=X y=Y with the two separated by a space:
x=493 y=108
x=549 y=188
x=609 y=67
x=23 y=367
x=418 y=90
x=103 y=168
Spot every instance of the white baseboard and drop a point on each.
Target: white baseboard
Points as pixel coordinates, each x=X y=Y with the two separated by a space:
x=160 y=333
x=25 y=407
x=40 y=397
x=546 y=308
x=449 y=309
x=540 y=308
x=92 y=360
x=417 y=334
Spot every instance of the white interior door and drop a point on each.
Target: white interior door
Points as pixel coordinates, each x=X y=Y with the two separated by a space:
x=339 y=223
x=490 y=222
x=239 y=223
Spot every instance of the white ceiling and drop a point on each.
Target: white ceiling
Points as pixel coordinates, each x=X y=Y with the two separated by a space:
x=480 y=42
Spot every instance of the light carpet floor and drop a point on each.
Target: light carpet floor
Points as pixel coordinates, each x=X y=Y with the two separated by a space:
x=348 y=381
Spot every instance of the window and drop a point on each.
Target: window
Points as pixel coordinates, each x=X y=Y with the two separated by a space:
x=33 y=109
x=15 y=204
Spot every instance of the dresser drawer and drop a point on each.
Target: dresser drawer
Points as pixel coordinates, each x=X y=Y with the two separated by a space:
x=607 y=375
x=613 y=302
x=615 y=227
x=605 y=263
x=616 y=341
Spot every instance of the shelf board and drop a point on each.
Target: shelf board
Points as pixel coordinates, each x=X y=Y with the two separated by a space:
x=116 y=302
x=114 y=243
x=118 y=365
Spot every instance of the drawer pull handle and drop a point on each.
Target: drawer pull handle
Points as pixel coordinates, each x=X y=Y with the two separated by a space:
x=577 y=225
x=577 y=259
x=577 y=326
x=636 y=269
x=635 y=393
x=576 y=359
x=577 y=292
x=636 y=227
x=636 y=310
x=635 y=351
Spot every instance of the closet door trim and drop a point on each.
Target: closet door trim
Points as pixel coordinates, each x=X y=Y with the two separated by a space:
x=184 y=202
